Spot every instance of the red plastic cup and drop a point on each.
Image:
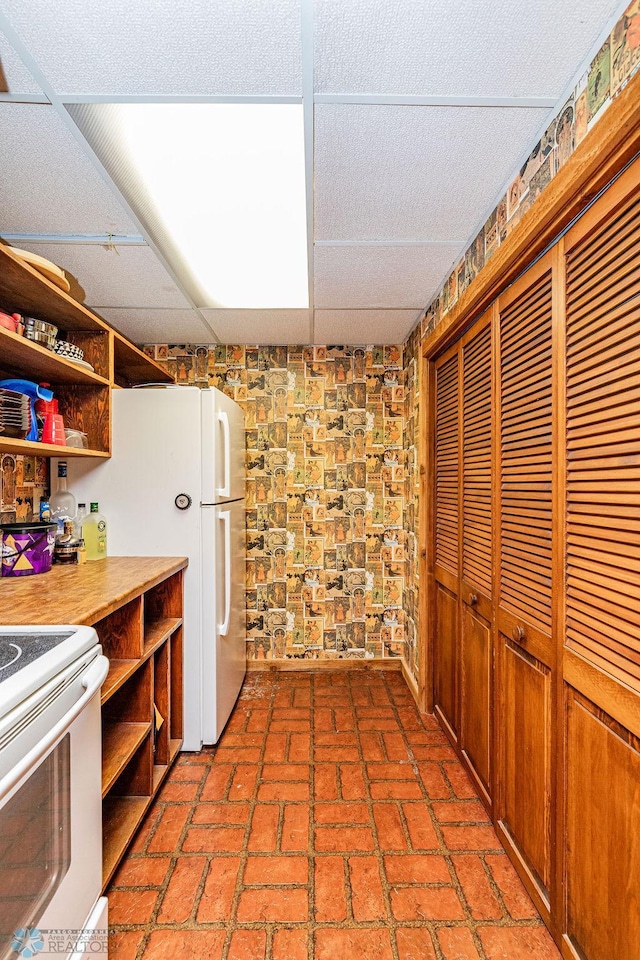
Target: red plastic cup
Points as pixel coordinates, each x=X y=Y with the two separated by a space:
x=53 y=430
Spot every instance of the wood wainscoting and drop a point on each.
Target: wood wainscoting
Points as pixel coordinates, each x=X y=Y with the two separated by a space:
x=534 y=566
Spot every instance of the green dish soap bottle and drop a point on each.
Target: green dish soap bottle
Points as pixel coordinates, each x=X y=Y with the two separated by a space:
x=94 y=534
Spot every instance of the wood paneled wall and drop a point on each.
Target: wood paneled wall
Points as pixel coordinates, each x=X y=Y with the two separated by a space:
x=535 y=580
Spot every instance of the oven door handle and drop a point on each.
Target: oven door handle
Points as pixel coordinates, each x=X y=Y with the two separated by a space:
x=91 y=681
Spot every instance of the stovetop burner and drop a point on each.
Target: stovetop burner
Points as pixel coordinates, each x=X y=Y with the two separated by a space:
x=17 y=650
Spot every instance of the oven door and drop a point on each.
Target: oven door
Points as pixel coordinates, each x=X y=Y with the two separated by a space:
x=50 y=807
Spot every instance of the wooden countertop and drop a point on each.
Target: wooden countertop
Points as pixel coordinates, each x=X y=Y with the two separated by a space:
x=81 y=594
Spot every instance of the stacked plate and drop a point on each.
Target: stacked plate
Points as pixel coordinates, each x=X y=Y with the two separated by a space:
x=15 y=414
x=69 y=350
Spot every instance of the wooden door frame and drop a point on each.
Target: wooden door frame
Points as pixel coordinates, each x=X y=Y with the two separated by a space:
x=426 y=629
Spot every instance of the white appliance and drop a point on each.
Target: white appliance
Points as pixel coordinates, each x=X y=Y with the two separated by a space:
x=175 y=486
x=51 y=792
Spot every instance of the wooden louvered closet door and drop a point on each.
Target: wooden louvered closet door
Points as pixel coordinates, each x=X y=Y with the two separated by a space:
x=601 y=654
x=447 y=534
x=476 y=655
x=525 y=530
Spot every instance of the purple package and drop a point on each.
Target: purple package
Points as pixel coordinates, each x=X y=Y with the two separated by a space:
x=27 y=548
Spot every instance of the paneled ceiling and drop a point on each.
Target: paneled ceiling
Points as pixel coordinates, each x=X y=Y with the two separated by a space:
x=417 y=114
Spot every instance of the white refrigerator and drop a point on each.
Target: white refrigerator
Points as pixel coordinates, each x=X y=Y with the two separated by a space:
x=175 y=486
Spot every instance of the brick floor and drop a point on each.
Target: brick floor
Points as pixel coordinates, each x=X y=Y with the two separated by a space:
x=332 y=822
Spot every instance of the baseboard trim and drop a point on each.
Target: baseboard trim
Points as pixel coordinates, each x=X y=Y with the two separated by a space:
x=320 y=666
x=412 y=683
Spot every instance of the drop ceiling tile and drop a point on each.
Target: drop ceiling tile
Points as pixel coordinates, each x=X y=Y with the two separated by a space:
x=48 y=185
x=363 y=326
x=510 y=48
x=185 y=47
x=14 y=76
x=158 y=326
x=260 y=326
x=368 y=275
x=127 y=276
x=418 y=173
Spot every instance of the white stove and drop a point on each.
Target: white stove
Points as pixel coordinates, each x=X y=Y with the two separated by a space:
x=50 y=792
x=29 y=656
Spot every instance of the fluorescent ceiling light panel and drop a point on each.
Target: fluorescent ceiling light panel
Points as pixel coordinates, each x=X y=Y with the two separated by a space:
x=226 y=181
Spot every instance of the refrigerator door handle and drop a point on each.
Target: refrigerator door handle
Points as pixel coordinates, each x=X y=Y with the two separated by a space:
x=223 y=418
x=225 y=517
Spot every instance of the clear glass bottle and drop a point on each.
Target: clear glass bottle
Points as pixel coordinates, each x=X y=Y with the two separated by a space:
x=94 y=534
x=62 y=503
x=79 y=519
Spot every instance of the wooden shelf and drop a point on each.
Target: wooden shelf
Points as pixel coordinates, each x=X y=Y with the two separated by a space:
x=160 y=770
x=134 y=366
x=155 y=634
x=157 y=631
x=119 y=673
x=120 y=740
x=121 y=817
x=24 y=290
x=34 y=362
x=32 y=448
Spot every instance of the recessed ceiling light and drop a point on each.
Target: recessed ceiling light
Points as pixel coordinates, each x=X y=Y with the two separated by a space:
x=226 y=183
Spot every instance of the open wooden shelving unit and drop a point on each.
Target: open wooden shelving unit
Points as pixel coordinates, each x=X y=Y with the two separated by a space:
x=135 y=605
x=84 y=396
x=143 y=640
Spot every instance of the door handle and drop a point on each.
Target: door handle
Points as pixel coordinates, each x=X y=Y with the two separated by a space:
x=473 y=599
x=225 y=490
x=225 y=517
x=519 y=634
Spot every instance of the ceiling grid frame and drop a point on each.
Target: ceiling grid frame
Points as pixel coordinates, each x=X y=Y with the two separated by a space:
x=308 y=99
x=67 y=120
x=308 y=123
x=103 y=239
x=414 y=100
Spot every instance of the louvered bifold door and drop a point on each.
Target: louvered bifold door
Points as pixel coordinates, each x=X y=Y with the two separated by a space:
x=601 y=655
x=447 y=539
x=525 y=650
x=476 y=587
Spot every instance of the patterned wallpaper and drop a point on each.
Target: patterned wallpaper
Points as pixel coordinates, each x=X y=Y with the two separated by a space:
x=608 y=74
x=23 y=482
x=330 y=514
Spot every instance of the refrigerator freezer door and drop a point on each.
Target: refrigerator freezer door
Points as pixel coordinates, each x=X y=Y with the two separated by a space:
x=224 y=617
x=223 y=448
x=156 y=457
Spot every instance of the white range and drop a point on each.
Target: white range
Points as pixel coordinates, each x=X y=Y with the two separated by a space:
x=51 y=792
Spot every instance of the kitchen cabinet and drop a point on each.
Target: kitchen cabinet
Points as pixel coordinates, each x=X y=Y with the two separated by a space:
x=447 y=535
x=600 y=626
x=525 y=648
x=476 y=542
x=535 y=589
x=135 y=605
x=84 y=395
x=463 y=662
